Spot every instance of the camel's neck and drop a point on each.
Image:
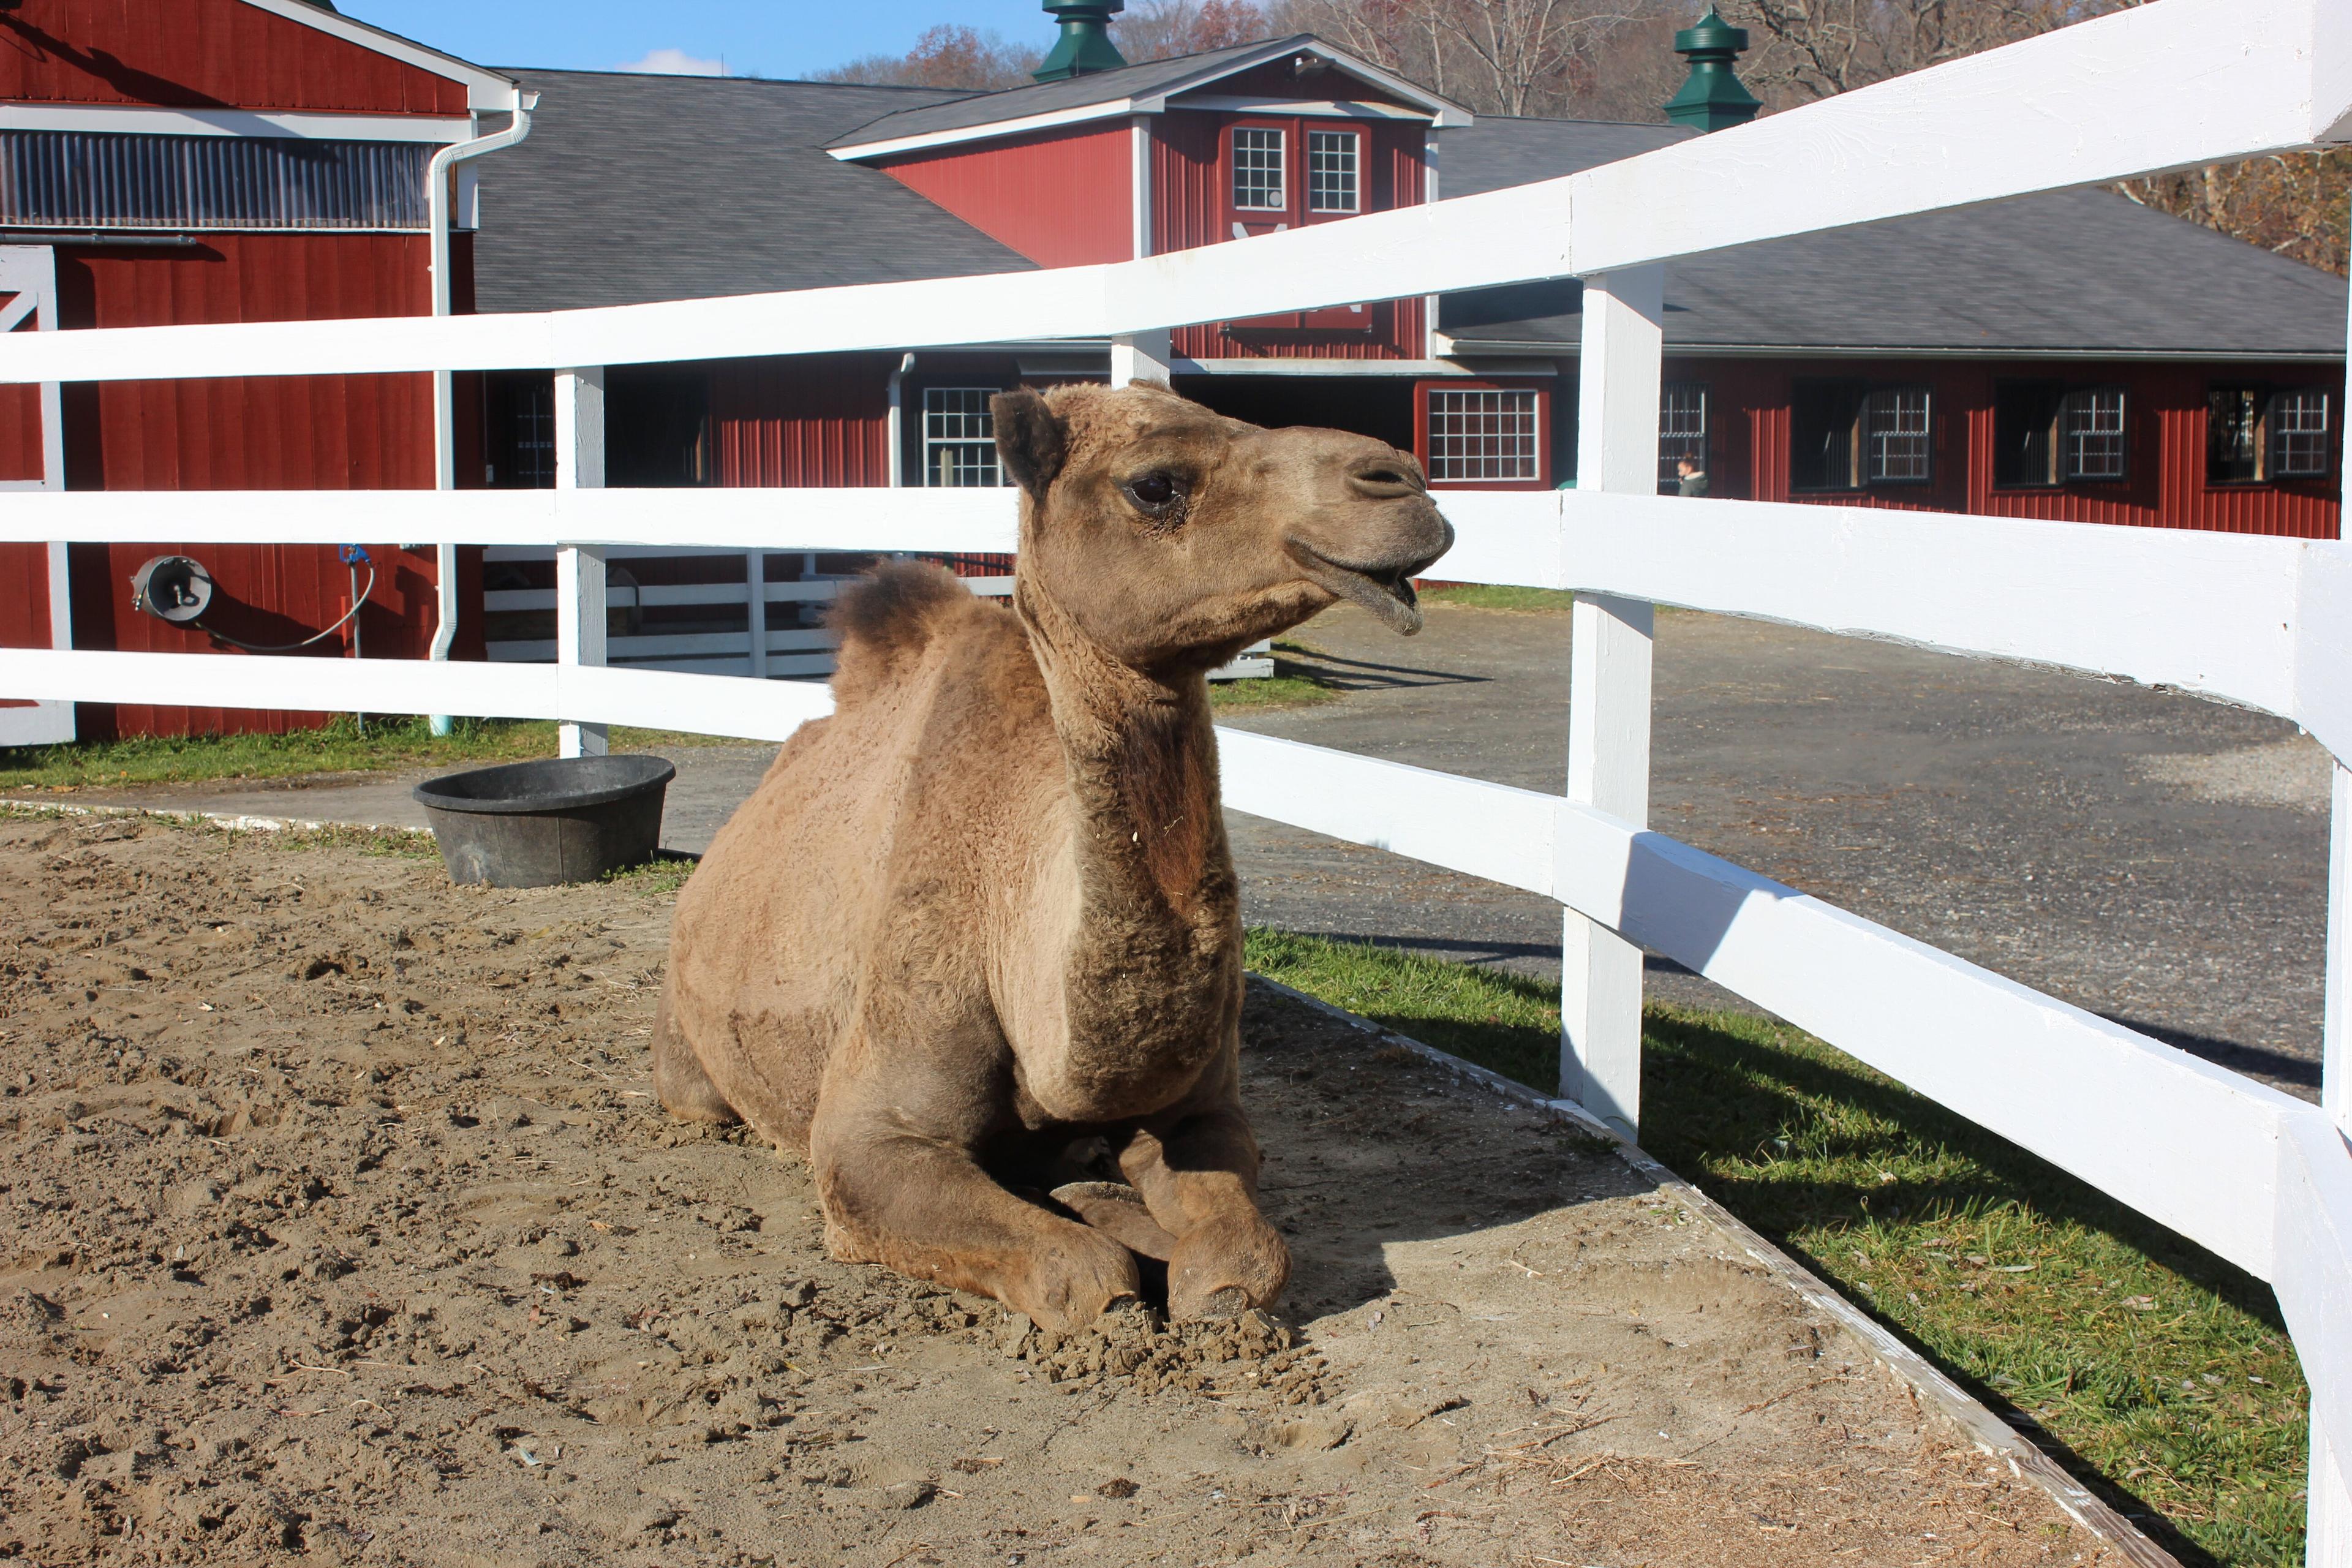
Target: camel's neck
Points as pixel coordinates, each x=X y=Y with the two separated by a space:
x=1142 y=771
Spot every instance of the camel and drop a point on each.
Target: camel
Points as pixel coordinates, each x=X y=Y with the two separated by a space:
x=985 y=913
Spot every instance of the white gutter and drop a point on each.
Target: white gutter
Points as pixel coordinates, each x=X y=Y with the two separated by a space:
x=438 y=193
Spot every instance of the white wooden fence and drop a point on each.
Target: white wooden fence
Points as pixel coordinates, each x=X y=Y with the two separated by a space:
x=2260 y=1178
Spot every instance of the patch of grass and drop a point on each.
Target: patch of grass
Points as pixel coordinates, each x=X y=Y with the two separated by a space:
x=1292 y=685
x=659 y=878
x=1498 y=596
x=337 y=746
x=2163 y=1370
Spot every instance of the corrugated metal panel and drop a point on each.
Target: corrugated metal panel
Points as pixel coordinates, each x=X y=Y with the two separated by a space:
x=201 y=54
x=1060 y=198
x=813 y=419
x=62 y=178
x=1188 y=201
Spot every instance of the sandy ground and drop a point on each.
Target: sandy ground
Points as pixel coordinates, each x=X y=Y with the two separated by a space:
x=341 y=1225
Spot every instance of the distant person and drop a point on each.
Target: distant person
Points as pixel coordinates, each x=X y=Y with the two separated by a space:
x=1692 y=475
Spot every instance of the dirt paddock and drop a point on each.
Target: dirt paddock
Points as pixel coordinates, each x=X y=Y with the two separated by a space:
x=341 y=1226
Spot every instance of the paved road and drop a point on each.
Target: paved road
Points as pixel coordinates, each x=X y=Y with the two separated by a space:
x=2146 y=855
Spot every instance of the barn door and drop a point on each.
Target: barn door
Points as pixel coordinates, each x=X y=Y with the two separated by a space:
x=36 y=610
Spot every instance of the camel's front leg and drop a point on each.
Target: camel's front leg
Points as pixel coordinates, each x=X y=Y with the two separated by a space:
x=896 y=1174
x=1197 y=1172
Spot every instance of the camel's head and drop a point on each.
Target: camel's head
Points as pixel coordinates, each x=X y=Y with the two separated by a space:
x=1174 y=536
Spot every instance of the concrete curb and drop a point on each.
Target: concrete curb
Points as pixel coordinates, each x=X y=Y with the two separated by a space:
x=1927 y=1382
x=216 y=818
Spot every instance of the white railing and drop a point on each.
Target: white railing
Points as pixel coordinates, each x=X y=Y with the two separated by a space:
x=2260 y=1178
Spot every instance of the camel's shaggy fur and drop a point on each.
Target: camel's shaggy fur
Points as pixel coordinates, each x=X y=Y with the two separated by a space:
x=986 y=914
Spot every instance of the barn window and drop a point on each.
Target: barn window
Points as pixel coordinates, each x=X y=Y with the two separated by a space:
x=2233 y=442
x=104 y=180
x=2046 y=433
x=1896 y=424
x=2299 y=434
x=959 y=437
x=1483 y=434
x=2091 y=423
x=1682 y=429
x=520 y=410
x=1331 y=176
x=1259 y=184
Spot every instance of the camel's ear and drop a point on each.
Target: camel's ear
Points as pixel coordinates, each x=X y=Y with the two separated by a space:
x=1029 y=438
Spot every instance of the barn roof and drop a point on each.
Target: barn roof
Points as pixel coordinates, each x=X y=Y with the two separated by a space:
x=1138 y=88
x=634 y=188
x=2068 y=271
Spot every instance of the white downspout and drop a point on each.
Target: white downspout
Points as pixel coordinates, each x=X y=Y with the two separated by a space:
x=438 y=195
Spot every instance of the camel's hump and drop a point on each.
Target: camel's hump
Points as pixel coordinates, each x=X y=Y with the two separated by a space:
x=889 y=618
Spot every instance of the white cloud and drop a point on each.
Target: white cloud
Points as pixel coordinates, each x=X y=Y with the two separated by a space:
x=675 y=62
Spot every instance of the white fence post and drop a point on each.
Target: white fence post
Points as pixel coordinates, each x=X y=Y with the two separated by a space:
x=755 y=593
x=1618 y=379
x=1140 y=356
x=579 y=569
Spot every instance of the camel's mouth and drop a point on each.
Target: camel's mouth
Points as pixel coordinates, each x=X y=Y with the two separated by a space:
x=1386 y=591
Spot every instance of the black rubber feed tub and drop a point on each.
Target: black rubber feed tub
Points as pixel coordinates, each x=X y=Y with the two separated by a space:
x=533 y=825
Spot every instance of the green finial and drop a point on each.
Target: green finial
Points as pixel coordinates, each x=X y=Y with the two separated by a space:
x=1085 y=44
x=1713 y=98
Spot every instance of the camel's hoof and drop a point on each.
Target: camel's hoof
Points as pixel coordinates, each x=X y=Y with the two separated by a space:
x=1117 y=1210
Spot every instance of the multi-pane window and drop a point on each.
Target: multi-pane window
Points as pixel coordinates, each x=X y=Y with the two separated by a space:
x=1485 y=434
x=1844 y=435
x=2091 y=423
x=1895 y=449
x=2046 y=433
x=1332 y=173
x=959 y=437
x=2298 y=433
x=2253 y=434
x=1258 y=169
x=1682 y=429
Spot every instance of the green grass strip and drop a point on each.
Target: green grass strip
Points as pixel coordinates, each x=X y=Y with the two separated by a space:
x=2163 y=1371
x=337 y=746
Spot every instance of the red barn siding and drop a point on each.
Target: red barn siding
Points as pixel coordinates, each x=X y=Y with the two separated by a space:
x=20 y=431
x=193 y=54
x=814 y=419
x=2164 y=486
x=23 y=596
x=334 y=431
x=1062 y=198
x=1188 y=201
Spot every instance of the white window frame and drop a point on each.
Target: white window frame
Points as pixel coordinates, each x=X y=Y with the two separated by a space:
x=2095 y=414
x=1318 y=144
x=981 y=434
x=1509 y=456
x=2310 y=461
x=1280 y=168
x=1673 y=442
x=1907 y=441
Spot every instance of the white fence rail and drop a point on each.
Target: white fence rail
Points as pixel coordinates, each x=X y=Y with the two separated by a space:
x=2262 y=1179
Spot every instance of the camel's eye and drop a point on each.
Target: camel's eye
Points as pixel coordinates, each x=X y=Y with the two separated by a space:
x=1157 y=493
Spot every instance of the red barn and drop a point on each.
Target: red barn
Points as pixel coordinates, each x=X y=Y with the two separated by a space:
x=2071 y=355
x=165 y=161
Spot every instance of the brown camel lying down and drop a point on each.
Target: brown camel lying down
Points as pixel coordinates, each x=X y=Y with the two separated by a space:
x=986 y=912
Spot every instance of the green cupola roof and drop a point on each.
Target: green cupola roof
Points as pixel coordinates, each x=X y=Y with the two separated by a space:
x=1085 y=45
x=1712 y=98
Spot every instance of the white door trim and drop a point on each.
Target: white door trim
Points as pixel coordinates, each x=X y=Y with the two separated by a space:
x=31 y=270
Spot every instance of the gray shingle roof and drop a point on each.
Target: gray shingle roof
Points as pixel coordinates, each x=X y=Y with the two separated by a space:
x=632 y=188
x=2067 y=270
x=1072 y=93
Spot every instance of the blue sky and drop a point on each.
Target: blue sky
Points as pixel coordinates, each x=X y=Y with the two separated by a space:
x=775 y=37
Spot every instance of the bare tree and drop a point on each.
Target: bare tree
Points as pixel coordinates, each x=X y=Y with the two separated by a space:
x=1494 y=56
x=1159 y=29
x=950 y=55
x=1809 y=49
